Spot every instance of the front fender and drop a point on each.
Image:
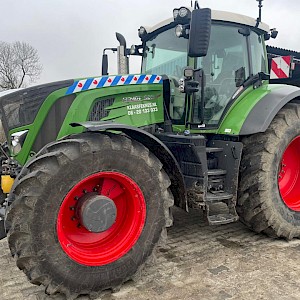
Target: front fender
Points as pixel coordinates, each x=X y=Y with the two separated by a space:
x=158 y=148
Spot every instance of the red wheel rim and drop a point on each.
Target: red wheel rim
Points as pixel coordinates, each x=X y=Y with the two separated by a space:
x=289 y=175
x=97 y=249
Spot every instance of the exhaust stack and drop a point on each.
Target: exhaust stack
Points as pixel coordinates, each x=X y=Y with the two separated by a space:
x=123 y=61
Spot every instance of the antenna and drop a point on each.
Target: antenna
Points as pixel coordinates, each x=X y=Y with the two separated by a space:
x=258 y=20
x=196 y=5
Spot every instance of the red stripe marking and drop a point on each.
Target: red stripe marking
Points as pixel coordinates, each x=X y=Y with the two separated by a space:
x=278 y=72
x=287 y=59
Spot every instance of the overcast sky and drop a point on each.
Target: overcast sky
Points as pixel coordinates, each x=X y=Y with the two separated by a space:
x=71 y=34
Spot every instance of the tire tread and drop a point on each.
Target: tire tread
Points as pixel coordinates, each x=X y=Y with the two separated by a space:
x=254 y=207
x=47 y=163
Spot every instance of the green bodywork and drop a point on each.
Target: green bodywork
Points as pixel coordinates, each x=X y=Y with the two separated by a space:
x=137 y=106
x=238 y=112
x=125 y=109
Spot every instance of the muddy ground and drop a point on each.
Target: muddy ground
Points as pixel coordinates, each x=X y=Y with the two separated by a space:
x=198 y=262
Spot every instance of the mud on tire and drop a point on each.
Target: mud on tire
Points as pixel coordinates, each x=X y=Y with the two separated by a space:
x=40 y=191
x=260 y=203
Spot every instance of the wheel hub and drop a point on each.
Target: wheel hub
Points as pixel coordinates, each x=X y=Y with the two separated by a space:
x=97 y=213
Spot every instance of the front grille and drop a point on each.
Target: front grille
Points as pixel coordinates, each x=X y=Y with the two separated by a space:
x=99 y=112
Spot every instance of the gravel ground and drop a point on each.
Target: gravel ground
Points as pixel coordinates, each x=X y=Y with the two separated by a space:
x=198 y=262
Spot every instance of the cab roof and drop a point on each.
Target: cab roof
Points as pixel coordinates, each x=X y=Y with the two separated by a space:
x=218 y=15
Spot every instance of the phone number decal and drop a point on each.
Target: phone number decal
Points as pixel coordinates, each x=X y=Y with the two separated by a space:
x=139 y=109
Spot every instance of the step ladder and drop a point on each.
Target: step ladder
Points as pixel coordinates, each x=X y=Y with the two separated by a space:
x=216 y=194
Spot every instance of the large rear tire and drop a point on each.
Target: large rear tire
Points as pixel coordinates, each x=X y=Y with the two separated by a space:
x=50 y=233
x=269 y=190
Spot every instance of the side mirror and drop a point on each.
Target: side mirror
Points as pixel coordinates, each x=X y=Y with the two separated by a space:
x=104 y=64
x=199 y=32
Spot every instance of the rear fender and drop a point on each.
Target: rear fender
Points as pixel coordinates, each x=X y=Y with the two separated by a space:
x=254 y=110
x=264 y=111
x=159 y=149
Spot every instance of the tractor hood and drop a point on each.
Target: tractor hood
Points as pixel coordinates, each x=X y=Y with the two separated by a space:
x=19 y=107
x=45 y=112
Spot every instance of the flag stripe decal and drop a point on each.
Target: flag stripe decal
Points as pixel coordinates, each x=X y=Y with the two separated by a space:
x=109 y=81
x=87 y=84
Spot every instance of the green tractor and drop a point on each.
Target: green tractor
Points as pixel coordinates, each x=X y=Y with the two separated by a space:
x=92 y=166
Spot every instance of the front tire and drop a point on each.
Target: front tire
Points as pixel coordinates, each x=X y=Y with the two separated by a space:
x=53 y=243
x=269 y=190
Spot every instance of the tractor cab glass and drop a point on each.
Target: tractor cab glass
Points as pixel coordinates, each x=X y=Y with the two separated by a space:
x=165 y=54
x=258 y=55
x=232 y=57
x=227 y=55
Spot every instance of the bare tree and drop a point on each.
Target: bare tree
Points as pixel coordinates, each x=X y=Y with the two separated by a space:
x=19 y=65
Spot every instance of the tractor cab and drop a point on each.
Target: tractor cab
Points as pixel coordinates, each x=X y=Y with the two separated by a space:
x=234 y=52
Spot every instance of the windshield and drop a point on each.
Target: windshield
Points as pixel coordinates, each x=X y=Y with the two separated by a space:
x=165 y=54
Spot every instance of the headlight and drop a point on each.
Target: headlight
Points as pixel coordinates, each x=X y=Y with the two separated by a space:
x=132 y=50
x=142 y=31
x=183 y=12
x=188 y=72
x=182 y=31
x=175 y=13
x=182 y=15
x=17 y=141
x=179 y=30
